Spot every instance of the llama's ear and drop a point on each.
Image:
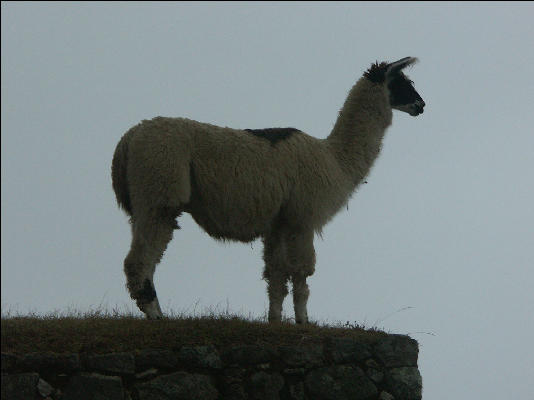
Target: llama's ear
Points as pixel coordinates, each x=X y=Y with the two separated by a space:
x=396 y=66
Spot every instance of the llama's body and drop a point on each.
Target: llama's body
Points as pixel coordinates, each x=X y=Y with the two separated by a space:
x=281 y=185
x=237 y=191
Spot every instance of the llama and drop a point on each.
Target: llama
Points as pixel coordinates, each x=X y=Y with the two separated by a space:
x=277 y=184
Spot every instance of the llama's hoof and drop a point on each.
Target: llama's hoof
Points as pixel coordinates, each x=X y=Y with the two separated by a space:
x=302 y=321
x=152 y=310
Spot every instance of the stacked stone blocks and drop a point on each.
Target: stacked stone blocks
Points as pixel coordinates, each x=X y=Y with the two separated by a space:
x=334 y=369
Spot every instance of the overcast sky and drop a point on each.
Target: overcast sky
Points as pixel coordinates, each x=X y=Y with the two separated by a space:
x=445 y=225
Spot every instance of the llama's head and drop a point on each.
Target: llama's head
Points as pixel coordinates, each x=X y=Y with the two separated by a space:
x=402 y=94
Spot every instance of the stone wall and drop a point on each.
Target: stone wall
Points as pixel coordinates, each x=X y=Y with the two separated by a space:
x=336 y=369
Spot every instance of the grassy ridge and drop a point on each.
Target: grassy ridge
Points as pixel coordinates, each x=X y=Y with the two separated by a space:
x=106 y=333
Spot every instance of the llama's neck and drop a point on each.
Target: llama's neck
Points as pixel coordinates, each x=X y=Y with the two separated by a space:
x=357 y=135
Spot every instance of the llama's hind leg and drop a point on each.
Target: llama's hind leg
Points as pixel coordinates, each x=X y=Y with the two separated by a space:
x=150 y=239
x=277 y=290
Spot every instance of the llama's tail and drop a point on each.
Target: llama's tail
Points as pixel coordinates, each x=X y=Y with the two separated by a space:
x=119 y=175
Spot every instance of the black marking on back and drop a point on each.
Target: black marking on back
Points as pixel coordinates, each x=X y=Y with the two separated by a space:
x=273 y=135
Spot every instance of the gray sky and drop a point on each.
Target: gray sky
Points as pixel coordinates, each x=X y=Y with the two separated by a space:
x=444 y=226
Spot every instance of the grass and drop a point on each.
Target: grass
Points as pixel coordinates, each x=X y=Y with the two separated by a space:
x=106 y=332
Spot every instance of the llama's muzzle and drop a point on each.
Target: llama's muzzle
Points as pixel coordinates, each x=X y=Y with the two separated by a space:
x=417 y=108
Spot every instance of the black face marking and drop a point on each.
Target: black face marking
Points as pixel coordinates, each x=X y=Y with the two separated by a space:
x=273 y=135
x=147 y=294
x=402 y=94
x=402 y=91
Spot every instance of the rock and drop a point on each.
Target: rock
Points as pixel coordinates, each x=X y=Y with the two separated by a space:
x=235 y=392
x=149 y=373
x=49 y=362
x=372 y=364
x=309 y=355
x=234 y=374
x=232 y=384
x=345 y=350
x=178 y=386
x=113 y=363
x=44 y=388
x=264 y=386
x=386 y=396
x=375 y=375
x=200 y=357
x=19 y=386
x=249 y=354
x=294 y=371
x=405 y=383
x=397 y=351
x=374 y=371
x=296 y=391
x=9 y=361
x=162 y=359
x=94 y=387
x=340 y=382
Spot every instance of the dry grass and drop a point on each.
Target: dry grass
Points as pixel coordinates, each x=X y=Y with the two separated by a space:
x=103 y=332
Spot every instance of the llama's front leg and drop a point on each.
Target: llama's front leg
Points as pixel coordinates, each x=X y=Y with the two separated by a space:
x=301 y=256
x=300 y=298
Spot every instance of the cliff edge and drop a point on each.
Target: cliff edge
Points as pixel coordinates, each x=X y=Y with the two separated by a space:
x=332 y=365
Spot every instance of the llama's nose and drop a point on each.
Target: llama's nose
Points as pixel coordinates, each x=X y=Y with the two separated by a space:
x=420 y=104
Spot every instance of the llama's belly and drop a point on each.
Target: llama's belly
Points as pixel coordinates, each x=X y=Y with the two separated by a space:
x=238 y=190
x=229 y=211
x=230 y=223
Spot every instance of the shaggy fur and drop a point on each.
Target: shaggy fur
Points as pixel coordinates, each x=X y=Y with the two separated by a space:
x=278 y=184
